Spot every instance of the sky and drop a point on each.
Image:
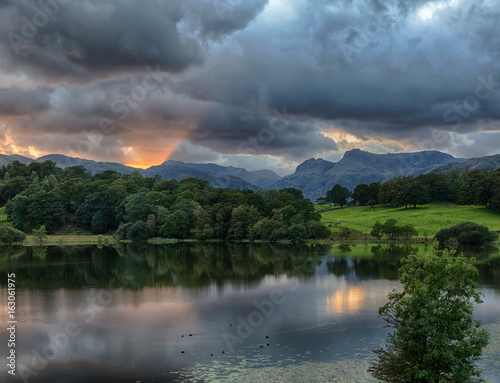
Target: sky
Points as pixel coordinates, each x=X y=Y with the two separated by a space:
x=249 y=83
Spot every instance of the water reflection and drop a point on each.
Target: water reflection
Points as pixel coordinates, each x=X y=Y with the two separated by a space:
x=133 y=308
x=138 y=266
x=347 y=300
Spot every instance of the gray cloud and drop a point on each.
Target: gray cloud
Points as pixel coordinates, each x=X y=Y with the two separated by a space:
x=371 y=68
x=16 y=101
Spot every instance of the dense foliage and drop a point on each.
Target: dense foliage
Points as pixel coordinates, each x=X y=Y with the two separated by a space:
x=436 y=338
x=467 y=233
x=137 y=207
x=392 y=231
x=473 y=187
x=10 y=235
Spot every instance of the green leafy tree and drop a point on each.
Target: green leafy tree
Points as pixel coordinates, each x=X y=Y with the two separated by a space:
x=243 y=218
x=377 y=230
x=19 y=211
x=176 y=225
x=297 y=232
x=338 y=195
x=345 y=233
x=435 y=338
x=40 y=234
x=47 y=209
x=317 y=229
x=138 y=232
x=389 y=192
x=361 y=194
x=414 y=193
x=467 y=191
x=390 y=229
x=407 y=232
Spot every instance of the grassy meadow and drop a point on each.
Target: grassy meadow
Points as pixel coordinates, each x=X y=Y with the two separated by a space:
x=427 y=219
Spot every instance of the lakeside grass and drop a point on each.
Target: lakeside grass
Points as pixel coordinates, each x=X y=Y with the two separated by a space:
x=427 y=219
x=67 y=240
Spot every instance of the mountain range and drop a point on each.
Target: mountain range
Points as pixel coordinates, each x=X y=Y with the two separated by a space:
x=314 y=176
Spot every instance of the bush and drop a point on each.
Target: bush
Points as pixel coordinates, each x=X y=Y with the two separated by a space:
x=10 y=235
x=318 y=230
x=122 y=231
x=467 y=233
x=345 y=233
x=138 y=232
x=297 y=232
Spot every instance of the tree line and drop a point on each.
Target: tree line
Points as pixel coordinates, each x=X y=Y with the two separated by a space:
x=474 y=187
x=138 y=207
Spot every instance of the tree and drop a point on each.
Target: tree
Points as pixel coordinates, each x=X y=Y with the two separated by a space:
x=19 y=211
x=436 y=338
x=361 y=194
x=338 y=195
x=318 y=230
x=243 y=219
x=377 y=230
x=390 y=229
x=138 y=232
x=407 y=232
x=414 y=193
x=40 y=234
x=47 y=209
x=389 y=192
x=345 y=233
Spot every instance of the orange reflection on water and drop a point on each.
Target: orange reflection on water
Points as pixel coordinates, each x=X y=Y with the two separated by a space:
x=345 y=301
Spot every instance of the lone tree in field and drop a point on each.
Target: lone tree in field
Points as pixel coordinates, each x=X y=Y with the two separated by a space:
x=436 y=338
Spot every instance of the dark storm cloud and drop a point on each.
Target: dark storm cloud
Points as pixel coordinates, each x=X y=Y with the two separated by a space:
x=406 y=77
x=15 y=101
x=218 y=18
x=372 y=68
x=80 y=39
x=242 y=131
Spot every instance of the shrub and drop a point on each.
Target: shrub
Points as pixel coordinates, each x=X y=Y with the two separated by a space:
x=467 y=233
x=138 y=232
x=318 y=230
x=10 y=235
x=122 y=231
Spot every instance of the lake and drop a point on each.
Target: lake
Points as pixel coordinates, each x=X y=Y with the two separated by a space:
x=205 y=313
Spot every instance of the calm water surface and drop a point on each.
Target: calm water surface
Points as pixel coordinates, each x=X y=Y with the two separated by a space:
x=208 y=313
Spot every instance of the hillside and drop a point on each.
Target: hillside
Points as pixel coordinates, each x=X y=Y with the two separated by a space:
x=180 y=172
x=260 y=178
x=316 y=177
x=7 y=159
x=427 y=219
x=479 y=163
x=93 y=167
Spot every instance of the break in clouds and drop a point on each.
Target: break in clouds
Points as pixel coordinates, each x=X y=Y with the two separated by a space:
x=250 y=83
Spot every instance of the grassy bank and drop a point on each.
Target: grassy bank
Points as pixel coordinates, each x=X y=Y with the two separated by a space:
x=71 y=240
x=427 y=219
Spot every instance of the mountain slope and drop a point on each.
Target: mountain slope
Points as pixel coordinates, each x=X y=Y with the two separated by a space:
x=259 y=178
x=181 y=172
x=7 y=159
x=316 y=177
x=92 y=166
x=479 y=163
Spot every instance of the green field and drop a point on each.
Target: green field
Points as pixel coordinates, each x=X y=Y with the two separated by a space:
x=427 y=219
